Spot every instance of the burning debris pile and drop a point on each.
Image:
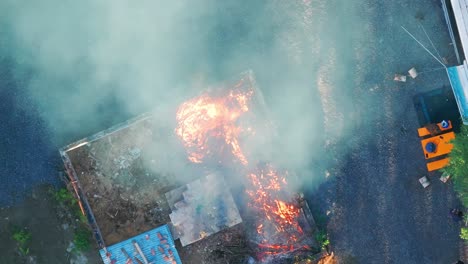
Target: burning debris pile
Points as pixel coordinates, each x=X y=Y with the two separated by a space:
x=210 y=128
x=208 y=124
x=281 y=223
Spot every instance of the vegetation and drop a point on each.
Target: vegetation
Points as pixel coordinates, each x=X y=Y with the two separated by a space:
x=82 y=236
x=464 y=233
x=322 y=239
x=66 y=198
x=22 y=237
x=82 y=239
x=458 y=166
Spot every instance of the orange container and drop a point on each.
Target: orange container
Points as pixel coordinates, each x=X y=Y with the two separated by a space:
x=422 y=132
x=437 y=165
x=442 y=142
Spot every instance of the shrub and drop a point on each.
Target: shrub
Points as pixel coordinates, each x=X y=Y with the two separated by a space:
x=82 y=239
x=464 y=233
x=64 y=196
x=458 y=166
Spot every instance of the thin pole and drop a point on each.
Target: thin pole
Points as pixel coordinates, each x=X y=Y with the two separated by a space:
x=440 y=57
x=423 y=47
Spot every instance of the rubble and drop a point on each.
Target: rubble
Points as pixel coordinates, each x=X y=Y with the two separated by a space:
x=205 y=207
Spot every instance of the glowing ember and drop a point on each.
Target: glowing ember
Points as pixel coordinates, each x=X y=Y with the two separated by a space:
x=266 y=197
x=206 y=120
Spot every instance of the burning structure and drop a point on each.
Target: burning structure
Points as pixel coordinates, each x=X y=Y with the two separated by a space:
x=125 y=189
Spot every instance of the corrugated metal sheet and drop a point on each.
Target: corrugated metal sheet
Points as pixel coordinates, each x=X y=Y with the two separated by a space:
x=460 y=10
x=156 y=250
x=458 y=77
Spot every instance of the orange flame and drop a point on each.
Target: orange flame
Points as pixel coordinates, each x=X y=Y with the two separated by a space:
x=267 y=186
x=205 y=118
x=206 y=121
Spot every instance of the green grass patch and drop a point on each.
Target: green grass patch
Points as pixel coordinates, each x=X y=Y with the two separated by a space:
x=22 y=238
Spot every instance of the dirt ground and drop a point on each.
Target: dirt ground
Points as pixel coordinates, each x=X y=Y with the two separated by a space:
x=51 y=229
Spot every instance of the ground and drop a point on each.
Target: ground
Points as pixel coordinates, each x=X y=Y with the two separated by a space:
x=51 y=227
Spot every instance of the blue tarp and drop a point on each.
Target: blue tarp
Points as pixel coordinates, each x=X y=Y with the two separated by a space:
x=458 y=77
x=155 y=249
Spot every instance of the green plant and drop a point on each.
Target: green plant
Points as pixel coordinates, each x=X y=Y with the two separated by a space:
x=322 y=239
x=82 y=239
x=458 y=166
x=22 y=237
x=64 y=196
x=464 y=233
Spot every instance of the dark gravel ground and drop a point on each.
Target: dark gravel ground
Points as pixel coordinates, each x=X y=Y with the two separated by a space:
x=379 y=213
x=27 y=156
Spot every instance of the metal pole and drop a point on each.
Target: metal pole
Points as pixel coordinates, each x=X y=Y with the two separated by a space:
x=423 y=46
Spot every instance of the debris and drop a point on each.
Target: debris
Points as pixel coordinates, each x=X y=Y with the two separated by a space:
x=424 y=181
x=70 y=247
x=138 y=249
x=399 y=78
x=433 y=129
x=413 y=73
x=444 y=178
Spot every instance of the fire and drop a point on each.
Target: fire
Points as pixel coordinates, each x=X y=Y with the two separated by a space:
x=206 y=120
x=266 y=194
x=208 y=126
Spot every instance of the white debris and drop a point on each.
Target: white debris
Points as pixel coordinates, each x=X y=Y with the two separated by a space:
x=413 y=73
x=399 y=78
x=70 y=247
x=444 y=178
x=424 y=181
